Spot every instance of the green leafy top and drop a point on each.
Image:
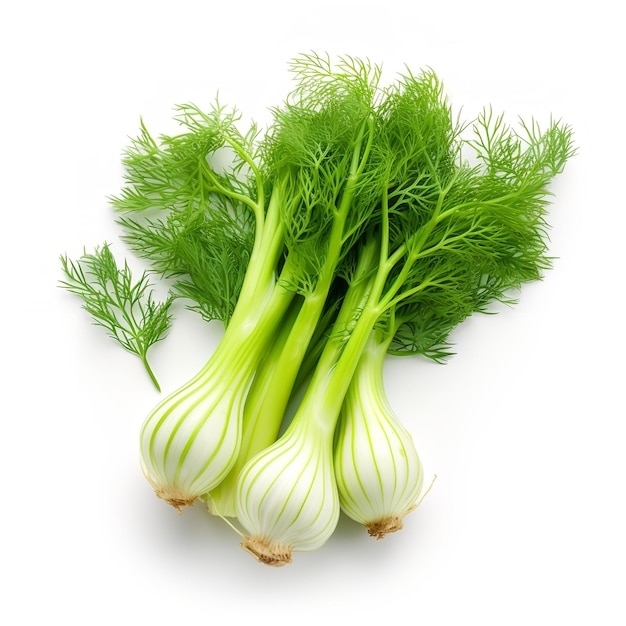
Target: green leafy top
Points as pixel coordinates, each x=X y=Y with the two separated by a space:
x=317 y=147
x=189 y=219
x=124 y=308
x=460 y=219
x=469 y=232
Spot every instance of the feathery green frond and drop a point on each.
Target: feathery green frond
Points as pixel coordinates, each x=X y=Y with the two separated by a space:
x=126 y=309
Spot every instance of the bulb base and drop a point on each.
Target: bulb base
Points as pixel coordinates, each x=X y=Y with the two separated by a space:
x=380 y=528
x=176 y=500
x=267 y=553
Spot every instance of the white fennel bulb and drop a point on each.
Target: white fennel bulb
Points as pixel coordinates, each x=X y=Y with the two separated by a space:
x=287 y=497
x=191 y=439
x=379 y=473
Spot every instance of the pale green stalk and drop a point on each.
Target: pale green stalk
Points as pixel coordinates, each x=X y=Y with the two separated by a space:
x=270 y=392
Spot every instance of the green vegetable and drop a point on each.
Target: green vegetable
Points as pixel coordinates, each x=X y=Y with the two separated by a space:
x=452 y=236
x=365 y=220
x=191 y=439
x=312 y=168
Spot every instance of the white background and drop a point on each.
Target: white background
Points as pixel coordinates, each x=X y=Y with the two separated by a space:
x=524 y=427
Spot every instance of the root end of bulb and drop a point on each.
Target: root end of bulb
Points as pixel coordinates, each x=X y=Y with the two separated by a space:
x=267 y=553
x=179 y=503
x=381 y=528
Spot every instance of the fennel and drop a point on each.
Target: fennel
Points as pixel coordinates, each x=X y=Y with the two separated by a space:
x=366 y=220
x=452 y=238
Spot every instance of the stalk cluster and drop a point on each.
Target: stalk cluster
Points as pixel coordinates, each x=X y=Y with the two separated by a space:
x=365 y=221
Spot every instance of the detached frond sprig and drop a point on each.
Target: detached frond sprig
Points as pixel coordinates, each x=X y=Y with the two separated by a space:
x=125 y=308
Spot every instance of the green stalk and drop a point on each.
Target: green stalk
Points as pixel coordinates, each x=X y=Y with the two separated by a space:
x=260 y=278
x=273 y=386
x=151 y=374
x=356 y=319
